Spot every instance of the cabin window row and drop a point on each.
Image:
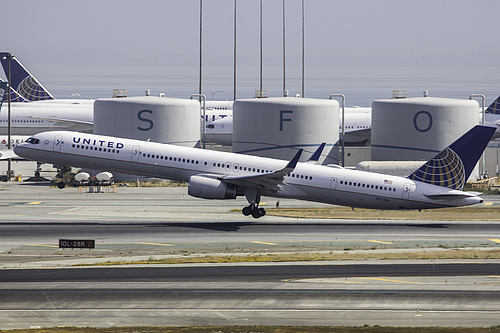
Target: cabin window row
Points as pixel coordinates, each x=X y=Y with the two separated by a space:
x=171 y=158
x=106 y=150
x=294 y=175
x=371 y=186
x=23 y=121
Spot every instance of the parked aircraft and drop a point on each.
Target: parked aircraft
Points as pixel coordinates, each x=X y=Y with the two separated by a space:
x=220 y=175
x=358 y=123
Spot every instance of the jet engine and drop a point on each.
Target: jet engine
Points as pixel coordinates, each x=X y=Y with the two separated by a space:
x=211 y=188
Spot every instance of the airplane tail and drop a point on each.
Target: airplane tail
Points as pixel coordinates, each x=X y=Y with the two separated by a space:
x=22 y=81
x=3 y=88
x=494 y=108
x=452 y=167
x=14 y=96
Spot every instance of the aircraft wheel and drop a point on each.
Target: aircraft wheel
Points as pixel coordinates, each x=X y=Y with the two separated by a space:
x=246 y=210
x=61 y=185
x=262 y=211
x=256 y=214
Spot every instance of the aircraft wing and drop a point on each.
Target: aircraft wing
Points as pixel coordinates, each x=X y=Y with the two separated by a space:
x=75 y=125
x=359 y=132
x=268 y=181
x=6 y=154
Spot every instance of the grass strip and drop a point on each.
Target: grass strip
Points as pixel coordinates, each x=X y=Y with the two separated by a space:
x=295 y=257
x=444 y=214
x=260 y=329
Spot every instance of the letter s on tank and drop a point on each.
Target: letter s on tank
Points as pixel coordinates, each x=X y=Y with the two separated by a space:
x=146 y=120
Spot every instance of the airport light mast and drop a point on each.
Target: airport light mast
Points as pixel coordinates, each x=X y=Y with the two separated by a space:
x=9 y=57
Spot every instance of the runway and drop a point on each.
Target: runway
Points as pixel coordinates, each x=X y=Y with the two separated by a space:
x=315 y=294
x=39 y=286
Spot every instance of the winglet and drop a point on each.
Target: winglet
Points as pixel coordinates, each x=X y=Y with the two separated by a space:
x=452 y=167
x=22 y=81
x=494 y=107
x=317 y=154
x=293 y=162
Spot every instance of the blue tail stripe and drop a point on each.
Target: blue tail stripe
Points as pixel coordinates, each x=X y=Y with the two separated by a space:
x=452 y=167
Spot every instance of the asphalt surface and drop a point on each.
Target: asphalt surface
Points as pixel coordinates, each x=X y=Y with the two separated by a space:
x=39 y=287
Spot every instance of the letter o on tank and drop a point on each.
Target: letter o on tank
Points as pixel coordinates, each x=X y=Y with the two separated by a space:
x=419 y=120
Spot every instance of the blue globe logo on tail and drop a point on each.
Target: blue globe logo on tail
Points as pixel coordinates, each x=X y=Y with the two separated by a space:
x=446 y=169
x=453 y=166
x=31 y=90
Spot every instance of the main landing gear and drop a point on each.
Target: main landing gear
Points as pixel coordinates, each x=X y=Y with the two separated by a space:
x=253 y=209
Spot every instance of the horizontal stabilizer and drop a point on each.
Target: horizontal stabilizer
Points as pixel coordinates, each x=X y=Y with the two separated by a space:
x=451 y=195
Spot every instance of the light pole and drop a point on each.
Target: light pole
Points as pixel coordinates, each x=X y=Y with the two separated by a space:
x=342 y=97
x=203 y=100
x=482 y=172
x=215 y=92
x=9 y=57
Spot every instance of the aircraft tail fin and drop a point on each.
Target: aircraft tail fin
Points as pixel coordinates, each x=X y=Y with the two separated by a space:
x=3 y=88
x=452 y=167
x=22 y=81
x=494 y=107
x=14 y=96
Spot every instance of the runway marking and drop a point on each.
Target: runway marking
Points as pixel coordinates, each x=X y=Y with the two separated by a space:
x=488 y=203
x=381 y=242
x=257 y=242
x=495 y=240
x=158 y=244
x=42 y=245
x=388 y=280
x=494 y=276
x=34 y=203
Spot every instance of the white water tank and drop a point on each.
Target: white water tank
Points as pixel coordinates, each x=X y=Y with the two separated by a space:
x=416 y=129
x=278 y=127
x=165 y=120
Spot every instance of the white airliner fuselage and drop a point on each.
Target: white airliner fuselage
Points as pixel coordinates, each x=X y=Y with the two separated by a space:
x=34 y=117
x=220 y=175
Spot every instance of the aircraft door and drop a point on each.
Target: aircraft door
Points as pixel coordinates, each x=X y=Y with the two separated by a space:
x=136 y=151
x=58 y=141
x=333 y=184
x=406 y=191
x=228 y=167
x=236 y=166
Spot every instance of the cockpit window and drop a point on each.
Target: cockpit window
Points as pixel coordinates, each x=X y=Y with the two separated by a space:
x=33 y=140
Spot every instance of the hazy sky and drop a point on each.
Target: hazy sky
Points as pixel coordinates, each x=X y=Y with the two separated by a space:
x=351 y=45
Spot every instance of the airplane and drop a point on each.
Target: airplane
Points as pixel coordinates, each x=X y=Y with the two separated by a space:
x=220 y=175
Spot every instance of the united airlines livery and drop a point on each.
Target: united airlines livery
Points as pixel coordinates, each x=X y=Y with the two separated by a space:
x=221 y=175
x=26 y=87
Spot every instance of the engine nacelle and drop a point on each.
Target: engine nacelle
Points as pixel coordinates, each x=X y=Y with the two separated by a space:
x=210 y=188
